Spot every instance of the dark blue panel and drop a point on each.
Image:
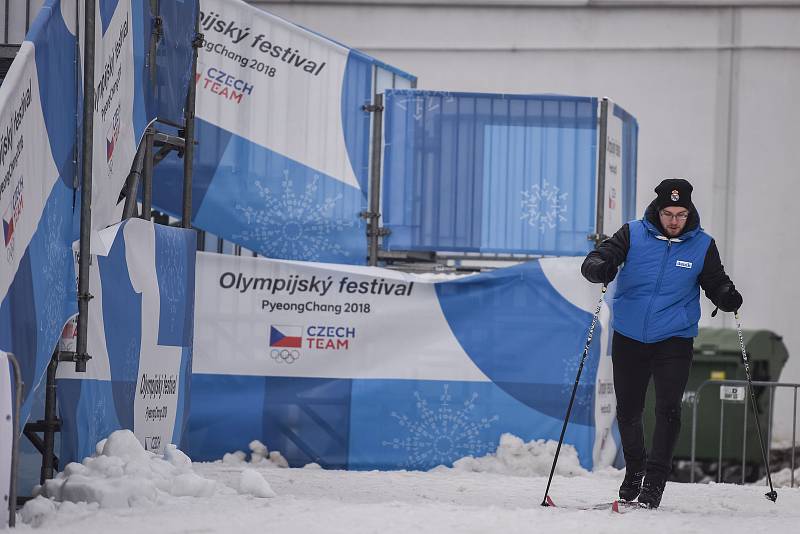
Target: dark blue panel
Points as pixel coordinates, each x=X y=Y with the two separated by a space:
x=53 y=276
x=69 y=394
x=308 y=420
x=122 y=317
x=184 y=397
x=18 y=321
x=122 y=313
x=357 y=92
x=58 y=85
x=420 y=424
x=498 y=318
x=174 y=57
x=107 y=8
x=175 y=252
x=227 y=413
x=144 y=107
x=168 y=182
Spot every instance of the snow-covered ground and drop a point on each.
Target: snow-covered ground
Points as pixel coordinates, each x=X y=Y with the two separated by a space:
x=132 y=490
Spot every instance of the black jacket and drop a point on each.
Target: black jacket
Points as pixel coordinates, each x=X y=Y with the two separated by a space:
x=614 y=250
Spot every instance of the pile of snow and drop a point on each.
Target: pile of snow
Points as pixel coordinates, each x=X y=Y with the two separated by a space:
x=123 y=474
x=515 y=457
x=259 y=455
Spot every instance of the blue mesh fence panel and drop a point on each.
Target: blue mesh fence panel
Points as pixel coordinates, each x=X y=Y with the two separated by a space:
x=489 y=173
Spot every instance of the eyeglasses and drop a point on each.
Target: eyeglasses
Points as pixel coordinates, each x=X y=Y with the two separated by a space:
x=682 y=216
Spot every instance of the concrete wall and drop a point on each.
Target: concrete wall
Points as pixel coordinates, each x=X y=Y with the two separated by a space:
x=715 y=89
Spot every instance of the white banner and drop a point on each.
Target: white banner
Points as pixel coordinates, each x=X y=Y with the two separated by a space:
x=613 y=198
x=27 y=170
x=514 y=332
x=114 y=142
x=270 y=82
x=263 y=317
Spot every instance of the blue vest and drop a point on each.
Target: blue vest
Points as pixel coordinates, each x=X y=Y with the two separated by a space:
x=658 y=294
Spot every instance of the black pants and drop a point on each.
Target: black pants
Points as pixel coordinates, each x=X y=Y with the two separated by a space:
x=668 y=362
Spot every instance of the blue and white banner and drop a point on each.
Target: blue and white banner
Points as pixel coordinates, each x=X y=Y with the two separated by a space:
x=283 y=157
x=39 y=107
x=482 y=172
x=131 y=87
x=140 y=340
x=361 y=367
x=37 y=132
x=619 y=195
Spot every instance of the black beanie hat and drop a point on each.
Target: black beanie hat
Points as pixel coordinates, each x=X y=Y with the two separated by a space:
x=674 y=192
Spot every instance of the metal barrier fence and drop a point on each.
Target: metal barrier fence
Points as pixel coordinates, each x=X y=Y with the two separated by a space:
x=739 y=390
x=17 y=404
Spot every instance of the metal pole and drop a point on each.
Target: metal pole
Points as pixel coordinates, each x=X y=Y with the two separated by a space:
x=694 y=431
x=744 y=434
x=769 y=422
x=601 y=169
x=794 y=433
x=50 y=421
x=772 y=494
x=81 y=355
x=188 y=151
x=5 y=29
x=12 y=493
x=547 y=501
x=721 y=427
x=375 y=180
x=133 y=183
x=147 y=183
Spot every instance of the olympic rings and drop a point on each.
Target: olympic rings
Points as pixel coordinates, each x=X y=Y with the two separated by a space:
x=285 y=355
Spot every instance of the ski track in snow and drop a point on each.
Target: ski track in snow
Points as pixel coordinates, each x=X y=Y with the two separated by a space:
x=447 y=500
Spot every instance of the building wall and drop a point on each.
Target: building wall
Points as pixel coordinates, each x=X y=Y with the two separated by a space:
x=15 y=18
x=715 y=89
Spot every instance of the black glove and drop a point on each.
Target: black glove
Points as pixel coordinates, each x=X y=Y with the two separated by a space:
x=731 y=301
x=597 y=270
x=608 y=273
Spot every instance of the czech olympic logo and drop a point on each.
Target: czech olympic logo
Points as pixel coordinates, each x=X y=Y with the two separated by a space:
x=285 y=355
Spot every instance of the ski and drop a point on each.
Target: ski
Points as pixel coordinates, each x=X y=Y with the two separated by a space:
x=616 y=506
x=622 y=507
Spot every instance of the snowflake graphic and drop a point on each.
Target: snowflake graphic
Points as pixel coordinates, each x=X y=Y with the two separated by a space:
x=419 y=102
x=172 y=269
x=293 y=227
x=57 y=275
x=441 y=434
x=572 y=362
x=544 y=206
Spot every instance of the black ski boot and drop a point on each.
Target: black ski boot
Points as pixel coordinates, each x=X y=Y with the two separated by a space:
x=632 y=484
x=652 y=490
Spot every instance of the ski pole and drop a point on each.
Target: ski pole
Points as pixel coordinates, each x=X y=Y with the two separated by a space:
x=772 y=495
x=547 y=501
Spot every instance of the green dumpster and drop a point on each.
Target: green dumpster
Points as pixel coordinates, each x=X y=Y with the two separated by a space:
x=717 y=355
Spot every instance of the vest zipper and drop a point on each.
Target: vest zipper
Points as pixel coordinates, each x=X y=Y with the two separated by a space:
x=658 y=287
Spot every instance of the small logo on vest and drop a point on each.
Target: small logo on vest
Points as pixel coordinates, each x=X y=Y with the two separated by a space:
x=684 y=264
x=675 y=196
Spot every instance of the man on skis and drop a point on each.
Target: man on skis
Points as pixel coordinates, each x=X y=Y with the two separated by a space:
x=667 y=258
